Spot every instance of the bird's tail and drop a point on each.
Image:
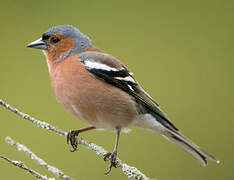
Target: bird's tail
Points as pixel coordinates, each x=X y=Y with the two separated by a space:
x=189 y=146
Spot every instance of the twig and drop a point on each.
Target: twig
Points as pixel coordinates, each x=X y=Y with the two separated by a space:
x=23 y=166
x=38 y=123
x=34 y=157
x=130 y=171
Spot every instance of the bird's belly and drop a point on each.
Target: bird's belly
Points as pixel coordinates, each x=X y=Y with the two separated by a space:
x=103 y=120
x=101 y=115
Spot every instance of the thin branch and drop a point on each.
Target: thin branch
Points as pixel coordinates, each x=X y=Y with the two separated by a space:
x=34 y=157
x=23 y=166
x=38 y=123
x=130 y=171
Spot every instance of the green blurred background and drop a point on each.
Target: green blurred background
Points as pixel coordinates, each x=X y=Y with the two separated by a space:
x=180 y=51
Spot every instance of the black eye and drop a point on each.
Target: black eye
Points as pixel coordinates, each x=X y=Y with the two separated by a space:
x=55 y=39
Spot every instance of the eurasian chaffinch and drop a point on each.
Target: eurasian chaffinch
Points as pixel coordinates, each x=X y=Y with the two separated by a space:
x=97 y=88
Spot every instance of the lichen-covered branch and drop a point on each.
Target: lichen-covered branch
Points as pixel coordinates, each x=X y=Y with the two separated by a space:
x=23 y=166
x=130 y=171
x=34 y=157
x=38 y=123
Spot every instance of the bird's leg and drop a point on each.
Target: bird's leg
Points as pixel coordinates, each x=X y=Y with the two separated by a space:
x=73 y=134
x=112 y=156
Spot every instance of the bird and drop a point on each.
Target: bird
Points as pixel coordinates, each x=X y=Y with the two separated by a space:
x=97 y=88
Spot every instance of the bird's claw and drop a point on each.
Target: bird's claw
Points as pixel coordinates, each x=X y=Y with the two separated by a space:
x=72 y=139
x=113 y=160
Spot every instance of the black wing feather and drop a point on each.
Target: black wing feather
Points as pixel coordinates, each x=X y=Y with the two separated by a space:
x=108 y=77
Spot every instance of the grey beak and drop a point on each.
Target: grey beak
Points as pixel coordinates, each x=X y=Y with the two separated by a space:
x=38 y=44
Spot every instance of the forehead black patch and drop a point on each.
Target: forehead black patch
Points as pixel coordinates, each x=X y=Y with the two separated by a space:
x=45 y=36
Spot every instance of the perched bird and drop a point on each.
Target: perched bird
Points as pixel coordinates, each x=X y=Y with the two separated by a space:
x=98 y=89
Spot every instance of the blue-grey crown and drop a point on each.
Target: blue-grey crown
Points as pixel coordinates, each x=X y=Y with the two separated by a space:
x=82 y=42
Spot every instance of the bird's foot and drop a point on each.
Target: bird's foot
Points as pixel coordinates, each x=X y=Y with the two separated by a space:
x=113 y=160
x=72 y=139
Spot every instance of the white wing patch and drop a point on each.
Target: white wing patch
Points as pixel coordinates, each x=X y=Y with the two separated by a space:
x=130 y=87
x=96 y=65
x=127 y=78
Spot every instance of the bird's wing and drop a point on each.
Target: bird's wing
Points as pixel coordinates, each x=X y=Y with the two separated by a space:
x=112 y=71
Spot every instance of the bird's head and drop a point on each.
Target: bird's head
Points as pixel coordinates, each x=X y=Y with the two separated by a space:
x=60 y=42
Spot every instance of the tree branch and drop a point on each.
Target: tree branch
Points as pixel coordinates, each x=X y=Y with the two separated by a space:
x=130 y=171
x=23 y=166
x=34 y=157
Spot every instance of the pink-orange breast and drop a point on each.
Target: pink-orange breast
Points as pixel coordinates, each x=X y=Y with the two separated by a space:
x=88 y=98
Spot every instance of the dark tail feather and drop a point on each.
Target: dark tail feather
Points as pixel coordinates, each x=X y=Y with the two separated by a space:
x=189 y=147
